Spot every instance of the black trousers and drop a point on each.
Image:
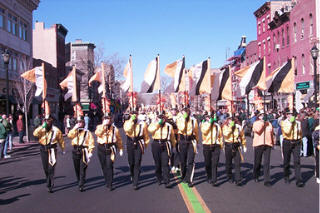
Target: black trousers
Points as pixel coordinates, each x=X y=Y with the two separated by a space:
x=106 y=163
x=211 y=154
x=258 y=152
x=134 y=159
x=317 y=162
x=291 y=148
x=161 y=160
x=47 y=168
x=232 y=153
x=175 y=156
x=187 y=156
x=79 y=166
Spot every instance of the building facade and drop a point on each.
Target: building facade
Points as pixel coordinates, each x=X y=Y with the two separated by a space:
x=81 y=55
x=16 y=36
x=49 y=47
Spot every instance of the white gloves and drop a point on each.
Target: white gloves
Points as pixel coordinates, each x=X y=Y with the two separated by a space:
x=105 y=122
x=89 y=155
x=121 y=152
x=244 y=149
x=76 y=126
x=63 y=152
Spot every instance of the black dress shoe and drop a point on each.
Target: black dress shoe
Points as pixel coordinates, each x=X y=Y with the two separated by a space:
x=168 y=186
x=238 y=183
x=256 y=180
x=300 y=184
x=110 y=188
x=267 y=184
x=209 y=181
x=81 y=189
x=214 y=184
x=190 y=184
x=286 y=180
x=50 y=189
x=230 y=180
x=135 y=187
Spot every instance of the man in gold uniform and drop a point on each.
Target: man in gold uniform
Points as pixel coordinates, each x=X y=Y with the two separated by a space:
x=49 y=136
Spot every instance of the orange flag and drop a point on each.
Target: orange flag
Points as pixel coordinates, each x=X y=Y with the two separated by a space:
x=37 y=76
x=70 y=83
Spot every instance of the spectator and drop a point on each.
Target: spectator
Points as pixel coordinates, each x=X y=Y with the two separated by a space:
x=7 y=128
x=86 y=121
x=10 y=132
x=2 y=138
x=20 y=129
x=305 y=134
x=37 y=121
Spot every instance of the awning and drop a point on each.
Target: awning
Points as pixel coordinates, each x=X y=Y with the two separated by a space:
x=12 y=100
x=237 y=54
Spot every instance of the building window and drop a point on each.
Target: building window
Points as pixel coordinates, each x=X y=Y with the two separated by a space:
x=311 y=65
x=1 y=17
x=259 y=51
x=288 y=36
x=295 y=32
x=269 y=46
x=264 y=48
x=263 y=26
x=12 y=24
x=302 y=28
x=303 y=65
x=14 y=64
x=311 y=24
x=259 y=29
x=278 y=39
x=74 y=56
x=23 y=30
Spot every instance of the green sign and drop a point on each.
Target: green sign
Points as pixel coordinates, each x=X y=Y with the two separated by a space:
x=85 y=107
x=303 y=85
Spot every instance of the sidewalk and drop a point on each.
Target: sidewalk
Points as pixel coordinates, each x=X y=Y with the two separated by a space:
x=17 y=145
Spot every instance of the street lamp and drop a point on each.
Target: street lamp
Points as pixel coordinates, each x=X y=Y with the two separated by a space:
x=314 y=53
x=6 y=59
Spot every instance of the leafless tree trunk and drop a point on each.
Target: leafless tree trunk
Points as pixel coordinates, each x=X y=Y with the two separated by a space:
x=24 y=90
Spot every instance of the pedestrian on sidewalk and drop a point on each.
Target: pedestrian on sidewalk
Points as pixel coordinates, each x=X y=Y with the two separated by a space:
x=49 y=136
x=8 y=128
x=10 y=132
x=20 y=129
x=3 y=135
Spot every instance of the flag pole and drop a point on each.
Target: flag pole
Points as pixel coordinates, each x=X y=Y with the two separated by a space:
x=131 y=83
x=159 y=82
x=209 y=69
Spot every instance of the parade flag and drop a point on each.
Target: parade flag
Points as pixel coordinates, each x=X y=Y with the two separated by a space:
x=282 y=79
x=151 y=82
x=250 y=76
x=173 y=100
x=201 y=83
x=175 y=70
x=37 y=76
x=186 y=81
x=100 y=77
x=127 y=73
x=70 y=83
x=225 y=86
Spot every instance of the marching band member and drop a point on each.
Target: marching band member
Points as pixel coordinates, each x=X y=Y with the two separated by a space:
x=137 y=140
x=175 y=157
x=49 y=136
x=83 y=144
x=109 y=141
x=234 y=137
x=212 y=144
x=188 y=139
x=263 y=142
x=292 y=137
x=163 y=141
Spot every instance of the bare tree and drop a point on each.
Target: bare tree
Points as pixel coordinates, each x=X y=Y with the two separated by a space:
x=165 y=84
x=24 y=90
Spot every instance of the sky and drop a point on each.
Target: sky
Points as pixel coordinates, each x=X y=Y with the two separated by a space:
x=197 y=29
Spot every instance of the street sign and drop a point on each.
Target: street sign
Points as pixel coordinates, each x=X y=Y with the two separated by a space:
x=303 y=85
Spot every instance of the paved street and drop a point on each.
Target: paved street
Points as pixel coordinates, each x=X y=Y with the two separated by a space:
x=22 y=187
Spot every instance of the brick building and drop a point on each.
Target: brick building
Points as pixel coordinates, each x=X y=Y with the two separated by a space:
x=16 y=36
